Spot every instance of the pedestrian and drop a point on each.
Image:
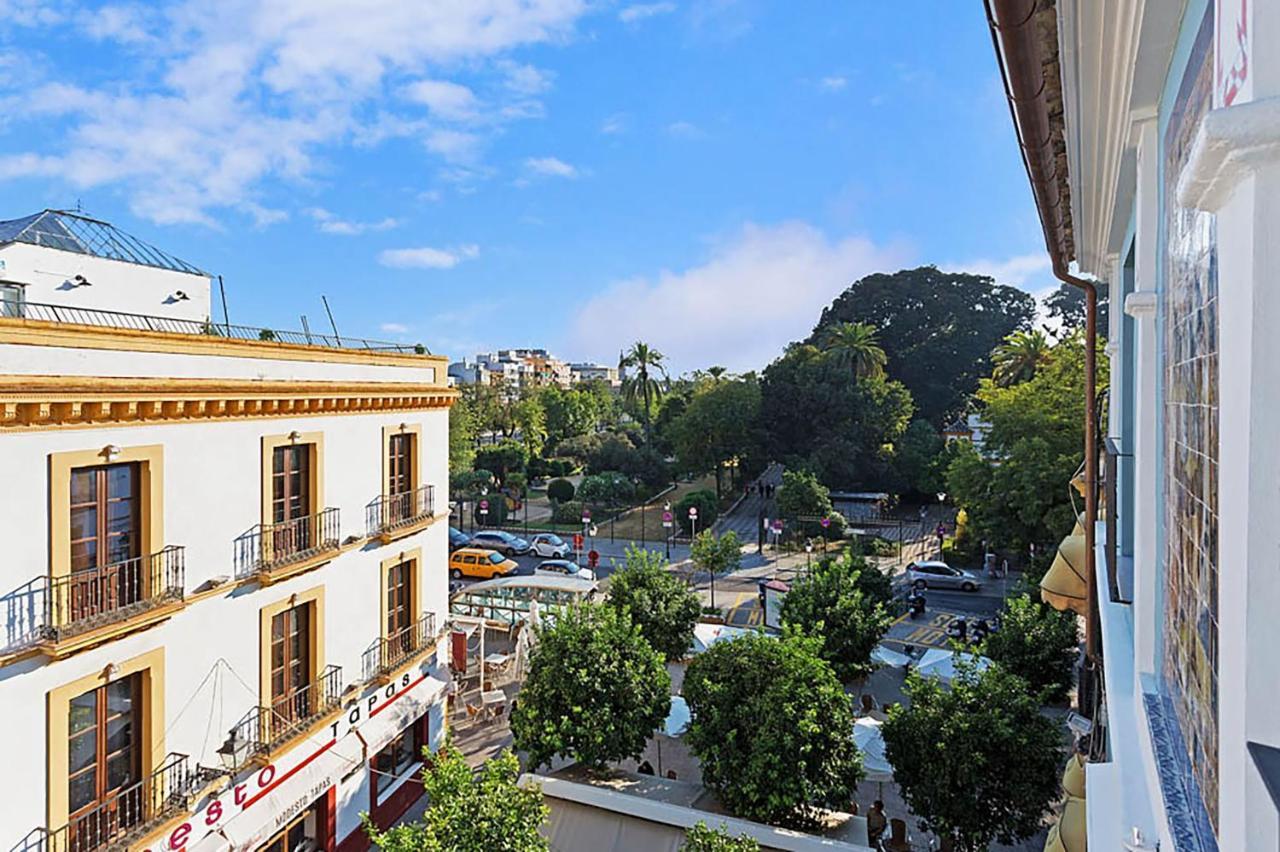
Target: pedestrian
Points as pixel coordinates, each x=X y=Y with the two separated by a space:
x=671 y=773
x=877 y=822
x=646 y=768
x=760 y=489
x=1004 y=568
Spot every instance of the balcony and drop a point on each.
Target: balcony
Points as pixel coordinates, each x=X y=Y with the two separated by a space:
x=274 y=552
x=388 y=654
x=394 y=516
x=129 y=815
x=86 y=607
x=264 y=731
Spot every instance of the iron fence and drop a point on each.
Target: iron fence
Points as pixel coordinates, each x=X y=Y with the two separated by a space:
x=269 y=546
x=388 y=653
x=394 y=511
x=129 y=813
x=264 y=729
x=86 y=599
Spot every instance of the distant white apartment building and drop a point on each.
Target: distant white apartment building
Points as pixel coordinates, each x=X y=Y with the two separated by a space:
x=224 y=574
x=589 y=372
x=519 y=369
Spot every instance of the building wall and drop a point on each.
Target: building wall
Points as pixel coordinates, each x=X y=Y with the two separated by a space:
x=114 y=285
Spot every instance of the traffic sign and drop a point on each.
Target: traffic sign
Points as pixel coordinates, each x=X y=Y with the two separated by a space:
x=666 y=519
x=693 y=511
x=577 y=541
x=826 y=522
x=942 y=530
x=777 y=527
x=586 y=515
x=484 y=507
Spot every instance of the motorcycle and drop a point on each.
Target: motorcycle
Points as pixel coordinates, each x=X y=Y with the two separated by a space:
x=915 y=604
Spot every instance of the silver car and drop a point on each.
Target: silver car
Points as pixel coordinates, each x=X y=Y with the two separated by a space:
x=940 y=575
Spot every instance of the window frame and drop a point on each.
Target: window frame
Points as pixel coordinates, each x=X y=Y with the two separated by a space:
x=385 y=784
x=414 y=433
x=314 y=598
x=315 y=471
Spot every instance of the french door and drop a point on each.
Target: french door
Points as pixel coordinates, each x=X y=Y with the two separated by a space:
x=106 y=562
x=104 y=763
x=291 y=500
x=400 y=477
x=400 y=639
x=291 y=700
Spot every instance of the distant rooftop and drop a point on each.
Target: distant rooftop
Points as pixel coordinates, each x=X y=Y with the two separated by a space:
x=67 y=230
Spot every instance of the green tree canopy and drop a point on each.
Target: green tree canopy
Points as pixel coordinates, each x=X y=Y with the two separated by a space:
x=856 y=347
x=986 y=729
x=568 y=412
x=530 y=418
x=1066 y=304
x=609 y=488
x=463 y=432
x=700 y=838
x=1018 y=357
x=660 y=604
x=719 y=424
x=937 y=329
x=772 y=728
x=504 y=456
x=470 y=811
x=704 y=500
x=560 y=490
x=830 y=602
x=921 y=461
x=1037 y=643
x=716 y=554
x=596 y=690
x=815 y=415
x=645 y=380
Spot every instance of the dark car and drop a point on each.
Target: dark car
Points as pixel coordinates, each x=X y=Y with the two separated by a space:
x=457 y=538
x=501 y=541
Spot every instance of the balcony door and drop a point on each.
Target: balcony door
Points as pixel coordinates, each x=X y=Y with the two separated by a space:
x=400 y=639
x=290 y=666
x=291 y=499
x=104 y=763
x=400 y=477
x=106 y=535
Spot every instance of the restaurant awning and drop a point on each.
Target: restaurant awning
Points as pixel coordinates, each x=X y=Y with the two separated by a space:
x=1064 y=586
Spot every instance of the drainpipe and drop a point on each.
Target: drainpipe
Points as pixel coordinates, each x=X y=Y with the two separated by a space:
x=1022 y=69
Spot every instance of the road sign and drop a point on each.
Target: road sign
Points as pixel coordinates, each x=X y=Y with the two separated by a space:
x=484 y=507
x=942 y=530
x=826 y=522
x=666 y=519
x=586 y=515
x=577 y=541
x=777 y=527
x=593 y=530
x=693 y=511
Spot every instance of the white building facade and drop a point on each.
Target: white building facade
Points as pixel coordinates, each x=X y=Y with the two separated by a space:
x=225 y=574
x=1169 y=113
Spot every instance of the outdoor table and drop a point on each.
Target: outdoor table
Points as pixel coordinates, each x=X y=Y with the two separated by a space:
x=496 y=660
x=492 y=698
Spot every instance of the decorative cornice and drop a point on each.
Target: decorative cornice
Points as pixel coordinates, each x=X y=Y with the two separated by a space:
x=1230 y=143
x=60 y=402
x=1140 y=304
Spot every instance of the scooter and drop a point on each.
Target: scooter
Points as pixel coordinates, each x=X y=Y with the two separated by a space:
x=915 y=604
x=958 y=629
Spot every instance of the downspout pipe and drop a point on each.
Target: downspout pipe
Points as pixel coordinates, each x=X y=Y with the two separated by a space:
x=1022 y=70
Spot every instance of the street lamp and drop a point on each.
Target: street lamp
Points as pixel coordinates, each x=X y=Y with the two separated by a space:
x=234 y=751
x=808 y=552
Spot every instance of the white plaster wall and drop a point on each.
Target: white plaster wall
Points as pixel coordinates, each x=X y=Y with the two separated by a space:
x=66 y=361
x=115 y=285
x=212 y=494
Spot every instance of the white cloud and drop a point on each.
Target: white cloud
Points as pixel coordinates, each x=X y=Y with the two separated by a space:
x=330 y=224
x=447 y=100
x=685 y=130
x=525 y=79
x=1023 y=270
x=244 y=92
x=833 y=83
x=393 y=328
x=640 y=11
x=427 y=257
x=760 y=289
x=616 y=123
x=551 y=167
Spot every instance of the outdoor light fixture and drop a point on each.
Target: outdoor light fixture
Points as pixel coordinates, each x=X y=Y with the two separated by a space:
x=81 y=281
x=109 y=671
x=110 y=451
x=179 y=296
x=234 y=751
x=294 y=436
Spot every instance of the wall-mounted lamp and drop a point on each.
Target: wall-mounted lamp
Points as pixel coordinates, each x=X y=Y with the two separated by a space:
x=294 y=436
x=109 y=671
x=81 y=281
x=110 y=451
x=179 y=296
x=234 y=751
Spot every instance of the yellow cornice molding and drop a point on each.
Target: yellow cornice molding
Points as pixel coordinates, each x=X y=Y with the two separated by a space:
x=28 y=332
x=59 y=402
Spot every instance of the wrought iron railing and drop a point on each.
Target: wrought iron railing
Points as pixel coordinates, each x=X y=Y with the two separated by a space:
x=388 y=653
x=1111 y=514
x=393 y=511
x=264 y=729
x=130 y=813
x=83 y=600
x=174 y=325
x=269 y=546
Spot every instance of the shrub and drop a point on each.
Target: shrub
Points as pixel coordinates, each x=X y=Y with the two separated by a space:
x=700 y=838
x=568 y=512
x=831 y=603
x=560 y=491
x=1037 y=643
x=610 y=488
x=707 y=505
x=660 y=604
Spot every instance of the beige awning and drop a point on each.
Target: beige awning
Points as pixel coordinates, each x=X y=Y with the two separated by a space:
x=1073 y=776
x=1064 y=586
x=1070 y=833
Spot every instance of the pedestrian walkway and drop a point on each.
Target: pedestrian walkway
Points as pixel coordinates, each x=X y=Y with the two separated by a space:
x=744 y=517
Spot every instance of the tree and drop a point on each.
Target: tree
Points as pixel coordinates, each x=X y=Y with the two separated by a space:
x=977 y=762
x=486 y=406
x=719 y=425
x=462 y=435
x=700 y=838
x=802 y=495
x=609 y=489
x=469 y=811
x=921 y=460
x=642 y=387
x=662 y=606
x=1037 y=643
x=815 y=415
x=855 y=346
x=530 y=419
x=1066 y=304
x=1018 y=357
x=596 y=690
x=937 y=329
x=830 y=603
x=702 y=499
x=568 y=412
x=714 y=555
x=560 y=490
x=504 y=456
x=772 y=728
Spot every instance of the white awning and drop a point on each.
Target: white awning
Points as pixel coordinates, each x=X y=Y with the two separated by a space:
x=390 y=719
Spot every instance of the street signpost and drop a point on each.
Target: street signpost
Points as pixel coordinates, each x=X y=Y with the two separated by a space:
x=667 y=523
x=484 y=512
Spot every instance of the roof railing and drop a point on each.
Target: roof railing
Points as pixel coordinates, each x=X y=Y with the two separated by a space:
x=98 y=317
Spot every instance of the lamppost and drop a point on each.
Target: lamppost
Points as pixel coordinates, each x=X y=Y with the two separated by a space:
x=484 y=507
x=667 y=524
x=808 y=554
x=942 y=530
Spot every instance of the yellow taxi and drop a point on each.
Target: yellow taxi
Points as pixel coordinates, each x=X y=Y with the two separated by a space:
x=479 y=563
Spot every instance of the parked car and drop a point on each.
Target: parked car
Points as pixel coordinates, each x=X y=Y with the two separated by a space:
x=479 y=563
x=940 y=575
x=457 y=538
x=501 y=541
x=550 y=546
x=563 y=568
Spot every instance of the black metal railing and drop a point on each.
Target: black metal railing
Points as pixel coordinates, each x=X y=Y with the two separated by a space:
x=1111 y=515
x=92 y=597
x=264 y=729
x=388 y=653
x=393 y=511
x=130 y=813
x=73 y=315
x=269 y=546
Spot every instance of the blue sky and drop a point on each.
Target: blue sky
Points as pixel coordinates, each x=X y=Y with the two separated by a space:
x=704 y=175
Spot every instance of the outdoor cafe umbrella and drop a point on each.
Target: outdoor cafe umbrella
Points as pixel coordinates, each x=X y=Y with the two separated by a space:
x=941 y=663
x=869 y=739
x=883 y=656
x=677 y=722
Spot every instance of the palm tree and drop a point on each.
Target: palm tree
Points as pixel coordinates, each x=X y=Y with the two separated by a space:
x=855 y=345
x=642 y=385
x=1017 y=359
